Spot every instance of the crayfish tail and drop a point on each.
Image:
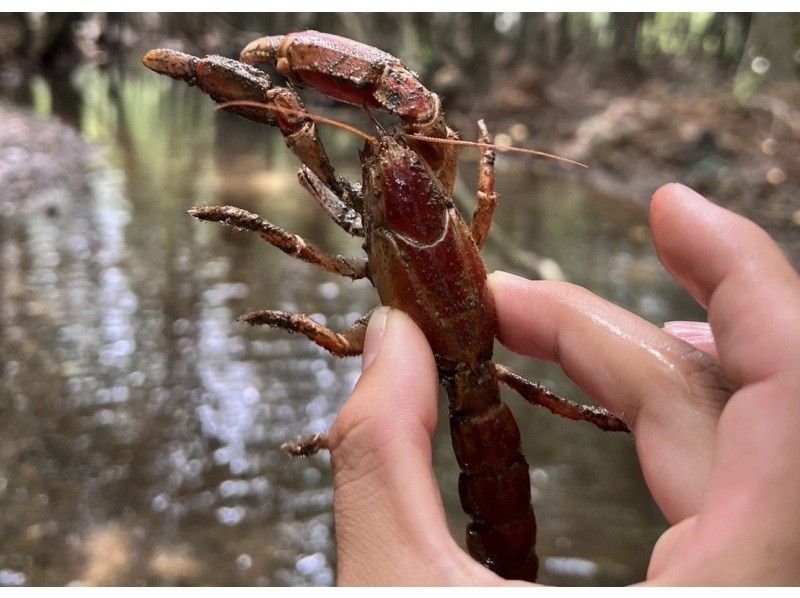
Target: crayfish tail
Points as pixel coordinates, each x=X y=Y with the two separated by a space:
x=494 y=484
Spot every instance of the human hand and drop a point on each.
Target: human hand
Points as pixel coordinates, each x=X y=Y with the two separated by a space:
x=718 y=438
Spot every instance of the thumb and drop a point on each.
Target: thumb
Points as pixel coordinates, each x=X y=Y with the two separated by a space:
x=390 y=523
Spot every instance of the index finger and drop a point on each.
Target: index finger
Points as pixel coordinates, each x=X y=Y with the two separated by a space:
x=731 y=265
x=668 y=393
x=617 y=357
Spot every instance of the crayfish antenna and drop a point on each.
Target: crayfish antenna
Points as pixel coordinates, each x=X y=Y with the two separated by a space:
x=499 y=148
x=382 y=130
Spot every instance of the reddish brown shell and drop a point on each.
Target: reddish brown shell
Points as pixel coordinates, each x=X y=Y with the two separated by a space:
x=422 y=256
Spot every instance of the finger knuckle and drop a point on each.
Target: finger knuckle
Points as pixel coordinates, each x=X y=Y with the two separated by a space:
x=707 y=385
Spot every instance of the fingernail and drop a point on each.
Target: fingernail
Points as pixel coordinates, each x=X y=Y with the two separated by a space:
x=682 y=328
x=698 y=334
x=374 y=336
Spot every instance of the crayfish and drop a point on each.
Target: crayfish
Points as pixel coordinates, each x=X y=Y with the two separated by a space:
x=422 y=257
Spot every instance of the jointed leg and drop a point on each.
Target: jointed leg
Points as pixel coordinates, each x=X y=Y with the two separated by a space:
x=340 y=210
x=307 y=145
x=487 y=198
x=287 y=242
x=305 y=446
x=538 y=395
x=340 y=344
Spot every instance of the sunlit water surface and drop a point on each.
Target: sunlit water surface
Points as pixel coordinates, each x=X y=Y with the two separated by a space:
x=140 y=423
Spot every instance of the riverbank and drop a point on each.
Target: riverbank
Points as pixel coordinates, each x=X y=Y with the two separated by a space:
x=742 y=153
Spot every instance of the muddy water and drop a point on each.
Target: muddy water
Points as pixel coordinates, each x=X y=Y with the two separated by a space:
x=139 y=423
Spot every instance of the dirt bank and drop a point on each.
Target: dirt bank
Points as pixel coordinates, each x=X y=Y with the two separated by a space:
x=744 y=154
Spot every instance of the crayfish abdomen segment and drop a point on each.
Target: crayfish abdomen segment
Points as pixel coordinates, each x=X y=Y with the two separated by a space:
x=494 y=484
x=496 y=497
x=506 y=548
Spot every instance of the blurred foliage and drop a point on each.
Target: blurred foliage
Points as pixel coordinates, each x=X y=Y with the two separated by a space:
x=755 y=46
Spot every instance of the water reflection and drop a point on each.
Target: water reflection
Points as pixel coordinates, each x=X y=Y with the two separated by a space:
x=140 y=422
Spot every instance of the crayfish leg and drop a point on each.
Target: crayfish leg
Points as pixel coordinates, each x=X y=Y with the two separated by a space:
x=339 y=344
x=536 y=394
x=340 y=210
x=305 y=446
x=284 y=240
x=486 y=196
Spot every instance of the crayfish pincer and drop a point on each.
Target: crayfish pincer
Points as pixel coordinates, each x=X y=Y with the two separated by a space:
x=422 y=257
